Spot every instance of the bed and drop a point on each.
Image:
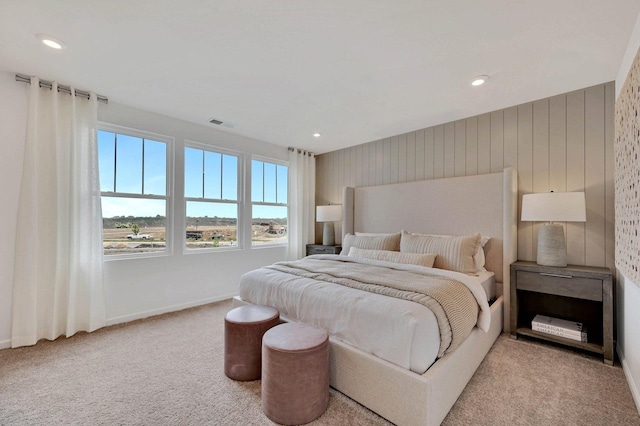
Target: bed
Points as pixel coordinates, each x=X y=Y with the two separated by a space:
x=399 y=390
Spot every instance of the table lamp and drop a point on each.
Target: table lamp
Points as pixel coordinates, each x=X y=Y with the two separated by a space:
x=328 y=215
x=553 y=207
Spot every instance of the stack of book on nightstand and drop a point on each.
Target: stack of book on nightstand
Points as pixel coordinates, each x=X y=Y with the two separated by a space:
x=558 y=327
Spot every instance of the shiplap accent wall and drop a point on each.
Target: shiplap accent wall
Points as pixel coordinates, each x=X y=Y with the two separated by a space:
x=562 y=143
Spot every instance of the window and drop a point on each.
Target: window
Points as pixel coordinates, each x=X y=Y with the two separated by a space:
x=269 y=184
x=133 y=185
x=211 y=181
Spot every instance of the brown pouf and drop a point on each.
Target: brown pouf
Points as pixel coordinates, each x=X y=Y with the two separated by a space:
x=243 y=330
x=295 y=373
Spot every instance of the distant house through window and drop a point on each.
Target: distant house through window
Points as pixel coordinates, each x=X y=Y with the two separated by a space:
x=211 y=187
x=133 y=185
x=269 y=186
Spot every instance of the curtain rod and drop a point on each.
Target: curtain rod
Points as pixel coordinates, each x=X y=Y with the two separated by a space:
x=65 y=89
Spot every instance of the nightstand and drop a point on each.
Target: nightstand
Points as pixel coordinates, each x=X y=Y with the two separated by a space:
x=576 y=293
x=320 y=249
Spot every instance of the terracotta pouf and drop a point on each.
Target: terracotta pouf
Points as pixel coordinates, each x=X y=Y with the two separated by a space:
x=243 y=330
x=295 y=373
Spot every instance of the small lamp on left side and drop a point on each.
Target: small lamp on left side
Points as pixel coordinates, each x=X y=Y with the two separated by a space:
x=329 y=215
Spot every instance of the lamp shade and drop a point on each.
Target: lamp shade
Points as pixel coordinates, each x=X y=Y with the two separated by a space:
x=329 y=213
x=554 y=207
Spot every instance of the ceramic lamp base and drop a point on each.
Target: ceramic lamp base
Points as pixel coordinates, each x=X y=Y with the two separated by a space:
x=328 y=234
x=552 y=249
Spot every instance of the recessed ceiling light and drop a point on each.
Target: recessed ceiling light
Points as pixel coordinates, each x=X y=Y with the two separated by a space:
x=479 y=80
x=317 y=135
x=52 y=42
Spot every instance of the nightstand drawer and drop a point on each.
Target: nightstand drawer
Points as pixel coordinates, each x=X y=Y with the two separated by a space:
x=323 y=250
x=320 y=249
x=560 y=284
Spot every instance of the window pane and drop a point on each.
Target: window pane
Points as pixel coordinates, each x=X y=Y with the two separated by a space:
x=193 y=173
x=269 y=225
x=129 y=164
x=269 y=183
x=283 y=177
x=256 y=181
x=230 y=177
x=212 y=175
x=133 y=225
x=211 y=225
x=155 y=167
x=106 y=159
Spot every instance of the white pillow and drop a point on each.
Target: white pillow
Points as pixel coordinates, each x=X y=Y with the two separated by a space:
x=478 y=256
x=454 y=253
x=389 y=242
x=419 y=259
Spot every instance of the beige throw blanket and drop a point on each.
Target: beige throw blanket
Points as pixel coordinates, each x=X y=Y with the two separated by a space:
x=455 y=307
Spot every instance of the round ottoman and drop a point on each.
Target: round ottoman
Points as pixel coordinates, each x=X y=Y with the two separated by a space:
x=243 y=330
x=295 y=373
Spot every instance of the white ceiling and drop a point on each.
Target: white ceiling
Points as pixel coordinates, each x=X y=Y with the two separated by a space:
x=354 y=70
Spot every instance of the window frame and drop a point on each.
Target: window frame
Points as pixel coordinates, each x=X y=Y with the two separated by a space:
x=239 y=202
x=169 y=193
x=263 y=203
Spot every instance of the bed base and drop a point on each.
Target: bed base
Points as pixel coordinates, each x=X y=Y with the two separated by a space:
x=402 y=396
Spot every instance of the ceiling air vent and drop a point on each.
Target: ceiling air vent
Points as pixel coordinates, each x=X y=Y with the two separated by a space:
x=220 y=123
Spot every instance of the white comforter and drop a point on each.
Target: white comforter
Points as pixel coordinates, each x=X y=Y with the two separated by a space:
x=399 y=331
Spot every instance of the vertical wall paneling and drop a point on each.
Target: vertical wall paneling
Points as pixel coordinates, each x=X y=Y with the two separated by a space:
x=449 y=150
x=484 y=144
x=471 y=150
x=420 y=155
x=438 y=152
x=411 y=156
x=511 y=137
x=562 y=143
x=387 y=161
x=497 y=141
x=429 y=153
x=609 y=165
x=525 y=177
x=340 y=175
x=395 y=158
x=575 y=172
x=344 y=158
x=402 y=158
x=558 y=143
x=353 y=166
x=540 y=155
x=360 y=165
x=364 y=159
x=541 y=146
x=380 y=163
x=594 y=176
x=459 y=155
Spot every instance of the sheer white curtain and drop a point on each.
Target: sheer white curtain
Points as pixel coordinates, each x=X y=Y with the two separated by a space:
x=302 y=200
x=58 y=284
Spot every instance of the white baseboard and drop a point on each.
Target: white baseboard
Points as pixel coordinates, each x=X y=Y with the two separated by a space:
x=627 y=373
x=166 y=309
x=5 y=344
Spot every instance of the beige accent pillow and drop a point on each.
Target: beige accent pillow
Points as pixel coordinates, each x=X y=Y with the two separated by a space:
x=419 y=259
x=478 y=257
x=389 y=242
x=454 y=253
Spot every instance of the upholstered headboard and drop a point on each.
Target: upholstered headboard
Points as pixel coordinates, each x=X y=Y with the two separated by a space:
x=452 y=206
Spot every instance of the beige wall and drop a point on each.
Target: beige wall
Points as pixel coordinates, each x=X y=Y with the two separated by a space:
x=562 y=143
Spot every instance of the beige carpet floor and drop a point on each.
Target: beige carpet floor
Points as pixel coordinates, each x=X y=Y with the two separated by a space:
x=168 y=370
